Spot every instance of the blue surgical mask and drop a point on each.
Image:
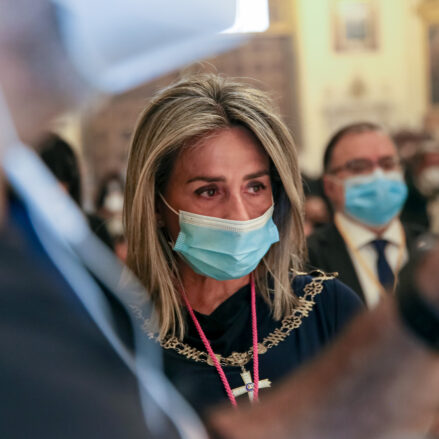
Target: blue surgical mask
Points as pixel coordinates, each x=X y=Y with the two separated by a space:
x=375 y=199
x=224 y=249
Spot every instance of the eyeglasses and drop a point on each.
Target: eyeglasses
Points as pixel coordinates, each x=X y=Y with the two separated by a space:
x=366 y=166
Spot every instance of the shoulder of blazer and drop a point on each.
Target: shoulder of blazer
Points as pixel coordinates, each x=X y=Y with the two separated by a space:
x=326 y=245
x=328 y=248
x=325 y=235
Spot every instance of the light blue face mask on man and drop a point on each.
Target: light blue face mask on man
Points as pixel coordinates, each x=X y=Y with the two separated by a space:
x=224 y=249
x=375 y=199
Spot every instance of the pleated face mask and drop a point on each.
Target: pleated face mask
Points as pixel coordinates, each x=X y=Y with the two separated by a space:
x=224 y=249
x=375 y=199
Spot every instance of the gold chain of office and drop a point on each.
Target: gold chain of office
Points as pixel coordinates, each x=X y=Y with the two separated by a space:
x=240 y=359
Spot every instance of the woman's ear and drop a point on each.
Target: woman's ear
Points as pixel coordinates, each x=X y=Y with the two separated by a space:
x=160 y=221
x=158 y=215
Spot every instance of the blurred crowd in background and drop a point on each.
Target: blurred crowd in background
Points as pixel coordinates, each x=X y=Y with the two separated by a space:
x=418 y=152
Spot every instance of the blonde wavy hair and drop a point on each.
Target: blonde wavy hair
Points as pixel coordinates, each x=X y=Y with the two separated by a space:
x=177 y=118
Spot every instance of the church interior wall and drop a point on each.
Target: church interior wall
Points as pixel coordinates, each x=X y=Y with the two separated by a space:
x=317 y=86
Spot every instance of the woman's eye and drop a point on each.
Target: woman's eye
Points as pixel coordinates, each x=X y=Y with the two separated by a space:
x=256 y=187
x=206 y=192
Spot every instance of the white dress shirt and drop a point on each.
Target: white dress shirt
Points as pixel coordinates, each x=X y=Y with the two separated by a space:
x=364 y=256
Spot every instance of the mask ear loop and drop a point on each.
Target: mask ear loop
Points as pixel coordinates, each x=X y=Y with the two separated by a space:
x=167 y=205
x=171 y=244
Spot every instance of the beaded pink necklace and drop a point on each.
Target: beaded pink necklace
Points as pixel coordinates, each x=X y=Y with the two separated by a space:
x=212 y=355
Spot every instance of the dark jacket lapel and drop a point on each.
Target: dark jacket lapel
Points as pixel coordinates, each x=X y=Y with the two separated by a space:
x=327 y=251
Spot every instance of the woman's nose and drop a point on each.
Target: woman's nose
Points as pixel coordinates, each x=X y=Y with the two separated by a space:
x=237 y=209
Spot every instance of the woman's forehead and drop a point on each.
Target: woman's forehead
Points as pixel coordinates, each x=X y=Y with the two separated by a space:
x=232 y=148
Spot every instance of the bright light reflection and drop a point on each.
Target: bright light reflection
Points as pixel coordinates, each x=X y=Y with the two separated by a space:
x=251 y=16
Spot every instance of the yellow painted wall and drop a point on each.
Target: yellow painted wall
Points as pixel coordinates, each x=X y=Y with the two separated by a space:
x=393 y=75
x=68 y=126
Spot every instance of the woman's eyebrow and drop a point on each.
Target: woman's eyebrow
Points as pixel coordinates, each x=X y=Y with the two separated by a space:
x=208 y=179
x=212 y=179
x=257 y=174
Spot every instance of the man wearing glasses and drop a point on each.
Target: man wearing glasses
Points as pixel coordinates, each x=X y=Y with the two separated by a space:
x=366 y=244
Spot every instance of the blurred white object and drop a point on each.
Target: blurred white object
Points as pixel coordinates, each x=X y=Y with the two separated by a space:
x=251 y=16
x=82 y=259
x=120 y=44
x=428 y=180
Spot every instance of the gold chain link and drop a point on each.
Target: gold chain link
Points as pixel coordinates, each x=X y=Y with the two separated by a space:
x=239 y=359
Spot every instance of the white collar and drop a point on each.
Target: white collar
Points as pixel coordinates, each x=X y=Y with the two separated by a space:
x=361 y=236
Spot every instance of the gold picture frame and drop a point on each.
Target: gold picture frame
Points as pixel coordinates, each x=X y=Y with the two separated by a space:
x=429 y=11
x=433 y=62
x=355 y=25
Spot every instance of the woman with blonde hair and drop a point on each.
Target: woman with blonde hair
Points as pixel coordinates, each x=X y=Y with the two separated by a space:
x=213 y=219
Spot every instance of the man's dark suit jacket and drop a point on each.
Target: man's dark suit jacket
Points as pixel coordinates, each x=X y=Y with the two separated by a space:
x=327 y=251
x=59 y=376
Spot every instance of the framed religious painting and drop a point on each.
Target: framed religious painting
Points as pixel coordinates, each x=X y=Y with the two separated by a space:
x=354 y=25
x=429 y=12
x=433 y=62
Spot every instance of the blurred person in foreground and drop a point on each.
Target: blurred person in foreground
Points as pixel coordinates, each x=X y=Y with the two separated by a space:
x=379 y=380
x=60 y=375
x=60 y=158
x=70 y=364
x=366 y=244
